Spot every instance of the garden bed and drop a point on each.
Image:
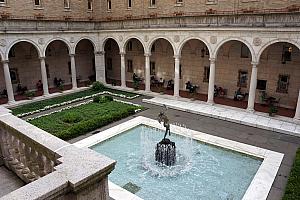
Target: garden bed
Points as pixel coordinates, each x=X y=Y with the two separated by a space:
x=47 y=104
x=85 y=118
x=292 y=190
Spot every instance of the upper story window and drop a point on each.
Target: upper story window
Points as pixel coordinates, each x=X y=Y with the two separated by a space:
x=37 y=2
x=129 y=3
x=2 y=2
x=67 y=4
x=152 y=3
x=179 y=1
x=108 y=4
x=90 y=4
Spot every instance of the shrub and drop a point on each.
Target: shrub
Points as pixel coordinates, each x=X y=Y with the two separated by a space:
x=97 y=99
x=97 y=86
x=29 y=94
x=108 y=98
x=292 y=190
x=71 y=118
x=61 y=87
x=93 y=123
x=102 y=99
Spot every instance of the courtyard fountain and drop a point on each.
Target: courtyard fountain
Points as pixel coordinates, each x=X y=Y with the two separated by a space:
x=165 y=152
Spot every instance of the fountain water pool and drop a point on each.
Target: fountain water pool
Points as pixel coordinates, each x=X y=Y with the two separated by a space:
x=210 y=174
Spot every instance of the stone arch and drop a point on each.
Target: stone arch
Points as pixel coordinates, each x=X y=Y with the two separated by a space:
x=85 y=38
x=23 y=40
x=181 y=45
x=153 y=40
x=268 y=44
x=253 y=55
x=106 y=39
x=134 y=37
x=57 y=39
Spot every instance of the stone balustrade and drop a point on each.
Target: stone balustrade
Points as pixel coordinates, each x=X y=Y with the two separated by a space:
x=52 y=168
x=192 y=20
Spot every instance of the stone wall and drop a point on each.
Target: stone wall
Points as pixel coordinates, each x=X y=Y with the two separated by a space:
x=271 y=67
x=79 y=9
x=24 y=61
x=136 y=54
x=85 y=63
x=50 y=8
x=193 y=64
x=112 y=52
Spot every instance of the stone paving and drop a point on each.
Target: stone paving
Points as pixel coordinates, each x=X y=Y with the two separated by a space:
x=8 y=181
x=241 y=116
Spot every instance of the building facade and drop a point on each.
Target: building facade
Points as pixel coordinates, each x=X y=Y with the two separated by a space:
x=252 y=45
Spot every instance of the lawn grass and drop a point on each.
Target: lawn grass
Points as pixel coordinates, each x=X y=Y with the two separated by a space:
x=83 y=119
x=41 y=104
x=292 y=190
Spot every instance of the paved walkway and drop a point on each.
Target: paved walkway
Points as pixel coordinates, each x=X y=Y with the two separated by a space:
x=260 y=120
x=8 y=181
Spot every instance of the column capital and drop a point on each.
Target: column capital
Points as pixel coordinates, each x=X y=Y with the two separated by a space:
x=212 y=60
x=72 y=54
x=254 y=63
x=177 y=56
x=42 y=57
x=147 y=54
x=122 y=53
x=101 y=53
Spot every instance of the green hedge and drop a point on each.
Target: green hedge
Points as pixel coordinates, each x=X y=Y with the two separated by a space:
x=292 y=190
x=92 y=117
x=41 y=104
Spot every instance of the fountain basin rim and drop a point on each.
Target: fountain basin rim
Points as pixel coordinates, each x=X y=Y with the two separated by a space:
x=260 y=185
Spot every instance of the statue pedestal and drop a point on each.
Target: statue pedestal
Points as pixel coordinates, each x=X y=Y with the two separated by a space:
x=166 y=152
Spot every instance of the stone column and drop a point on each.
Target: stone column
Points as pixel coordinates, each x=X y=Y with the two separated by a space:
x=100 y=66
x=297 y=114
x=176 y=79
x=73 y=71
x=211 y=84
x=44 y=76
x=123 y=70
x=147 y=72
x=9 y=88
x=252 y=90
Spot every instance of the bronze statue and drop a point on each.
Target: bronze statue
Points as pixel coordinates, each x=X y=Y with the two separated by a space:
x=162 y=117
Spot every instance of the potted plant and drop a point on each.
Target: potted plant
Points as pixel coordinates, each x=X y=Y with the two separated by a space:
x=272 y=110
x=136 y=84
x=61 y=87
x=29 y=94
x=113 y=82
x=192 y=95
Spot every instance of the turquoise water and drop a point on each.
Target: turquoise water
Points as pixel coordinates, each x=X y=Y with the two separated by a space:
x=202 y=172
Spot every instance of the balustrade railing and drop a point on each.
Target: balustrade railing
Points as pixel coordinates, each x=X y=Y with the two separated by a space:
x=52 y=168
x=24 y=158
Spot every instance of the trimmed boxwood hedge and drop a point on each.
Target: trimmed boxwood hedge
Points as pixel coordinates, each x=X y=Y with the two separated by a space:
x=41 y=104
x=93 y=116
x=292 y=190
